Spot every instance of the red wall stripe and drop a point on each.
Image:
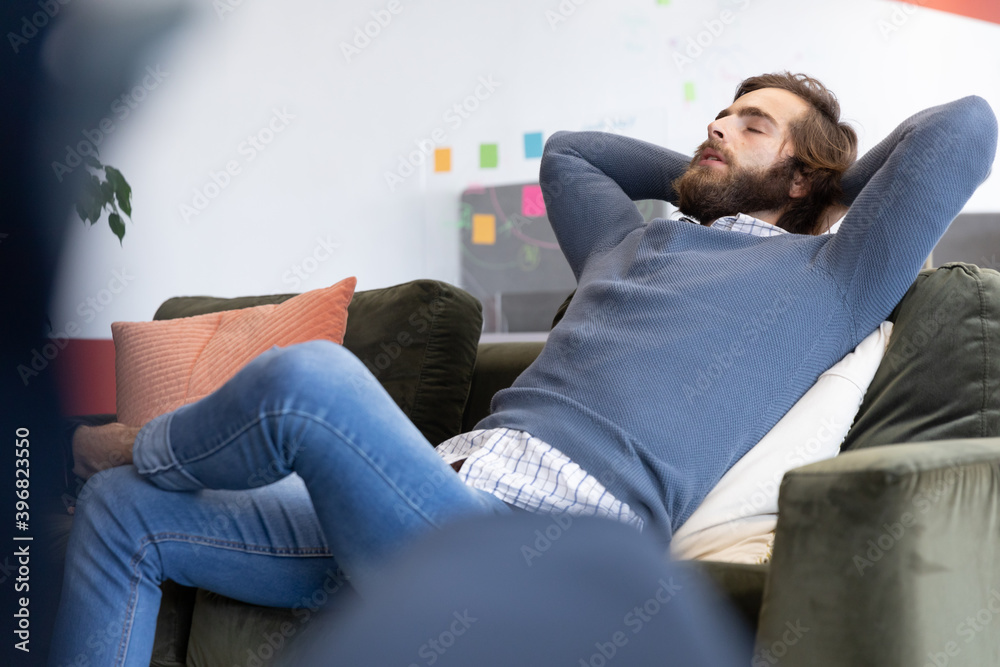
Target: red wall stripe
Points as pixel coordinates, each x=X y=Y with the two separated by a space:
x=85 y=372
x=986 y=10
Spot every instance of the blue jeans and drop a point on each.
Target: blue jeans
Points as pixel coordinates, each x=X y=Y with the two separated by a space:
x=211 y=502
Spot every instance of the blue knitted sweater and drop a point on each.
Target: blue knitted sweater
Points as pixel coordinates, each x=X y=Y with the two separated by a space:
x=684 y=344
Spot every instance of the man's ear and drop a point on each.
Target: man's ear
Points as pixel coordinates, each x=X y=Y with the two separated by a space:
x=800 y=186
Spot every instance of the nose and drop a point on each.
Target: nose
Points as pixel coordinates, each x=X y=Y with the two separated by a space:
x=717 y=129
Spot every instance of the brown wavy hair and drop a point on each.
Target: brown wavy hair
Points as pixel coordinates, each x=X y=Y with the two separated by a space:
x=824 y=147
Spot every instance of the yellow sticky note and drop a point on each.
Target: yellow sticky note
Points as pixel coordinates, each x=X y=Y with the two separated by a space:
x=484 y=229
x=442 y=159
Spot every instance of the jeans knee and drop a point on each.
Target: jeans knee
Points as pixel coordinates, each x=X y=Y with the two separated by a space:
x=316 y=366
x=107 y=496
x=109 y=509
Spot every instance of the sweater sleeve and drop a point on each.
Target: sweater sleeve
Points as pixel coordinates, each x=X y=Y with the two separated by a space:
x=590 y=180
x=903 y=194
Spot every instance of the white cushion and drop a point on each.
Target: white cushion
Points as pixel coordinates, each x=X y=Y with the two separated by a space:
x=736 y=521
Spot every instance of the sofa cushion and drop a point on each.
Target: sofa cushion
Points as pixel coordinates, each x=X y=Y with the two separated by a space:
x=419 y=339
x=162 y=365
x=941 y=371
x=228 y=632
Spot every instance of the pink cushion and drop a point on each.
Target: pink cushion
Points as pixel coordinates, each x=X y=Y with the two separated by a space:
x=162 y=365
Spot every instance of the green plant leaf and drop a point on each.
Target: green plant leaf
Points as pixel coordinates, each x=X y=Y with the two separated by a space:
x=93 y=199
x=117 y=226
x=107 y=193
x=81 y=211
x=92 y=161
x=123 y=192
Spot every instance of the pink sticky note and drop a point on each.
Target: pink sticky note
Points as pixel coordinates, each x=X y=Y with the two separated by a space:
x=532 y=204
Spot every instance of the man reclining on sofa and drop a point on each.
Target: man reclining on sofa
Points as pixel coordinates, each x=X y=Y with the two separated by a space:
x=604 y=422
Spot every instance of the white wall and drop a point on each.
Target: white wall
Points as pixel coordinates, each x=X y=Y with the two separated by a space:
x=610 y=63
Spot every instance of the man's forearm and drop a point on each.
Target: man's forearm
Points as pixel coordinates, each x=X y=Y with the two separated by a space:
x=641 y=169
x=590 y=181
x=862 y=171
x=97 y=448
x=912 y=185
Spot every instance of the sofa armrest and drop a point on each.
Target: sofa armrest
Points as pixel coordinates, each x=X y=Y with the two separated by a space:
x=887 y=556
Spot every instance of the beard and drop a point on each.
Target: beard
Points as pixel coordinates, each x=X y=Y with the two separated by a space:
x=707 y=195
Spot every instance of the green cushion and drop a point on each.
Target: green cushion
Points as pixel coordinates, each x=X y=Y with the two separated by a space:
x=228 y=632
x=741 y=583
x=941 y=371
x=419 y=339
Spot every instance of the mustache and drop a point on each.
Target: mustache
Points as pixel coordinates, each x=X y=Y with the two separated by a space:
x=715 y=146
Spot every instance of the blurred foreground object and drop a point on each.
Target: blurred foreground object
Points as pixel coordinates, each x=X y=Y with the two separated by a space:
x=532 y=590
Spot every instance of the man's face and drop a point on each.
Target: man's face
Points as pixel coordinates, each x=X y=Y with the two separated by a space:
x=744 y=166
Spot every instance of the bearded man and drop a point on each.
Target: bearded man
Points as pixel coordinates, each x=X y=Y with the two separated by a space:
x=684 y=344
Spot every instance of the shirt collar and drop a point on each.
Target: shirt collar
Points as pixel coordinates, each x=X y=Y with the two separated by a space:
x=754 y=226
x=748 y=225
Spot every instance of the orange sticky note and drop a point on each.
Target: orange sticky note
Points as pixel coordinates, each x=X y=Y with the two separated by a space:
x=442 y=159
x=484 y=229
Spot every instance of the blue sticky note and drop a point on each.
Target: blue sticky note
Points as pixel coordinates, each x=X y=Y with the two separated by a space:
x=532 y=144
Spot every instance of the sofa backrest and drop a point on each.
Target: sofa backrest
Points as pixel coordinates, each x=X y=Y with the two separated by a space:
x=941 y=371
x=419 y=339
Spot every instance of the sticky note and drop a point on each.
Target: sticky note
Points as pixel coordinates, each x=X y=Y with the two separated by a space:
x=488 y=156
x=532 y=144
x=484 y=229
x=689 y=91
x=442 y=159
x=532 y=204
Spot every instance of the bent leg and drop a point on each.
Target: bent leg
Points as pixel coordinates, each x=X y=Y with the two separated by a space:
x=129 y=535
x=315 y=410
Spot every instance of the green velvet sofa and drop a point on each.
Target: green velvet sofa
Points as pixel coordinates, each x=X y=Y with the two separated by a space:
x=886 y=555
